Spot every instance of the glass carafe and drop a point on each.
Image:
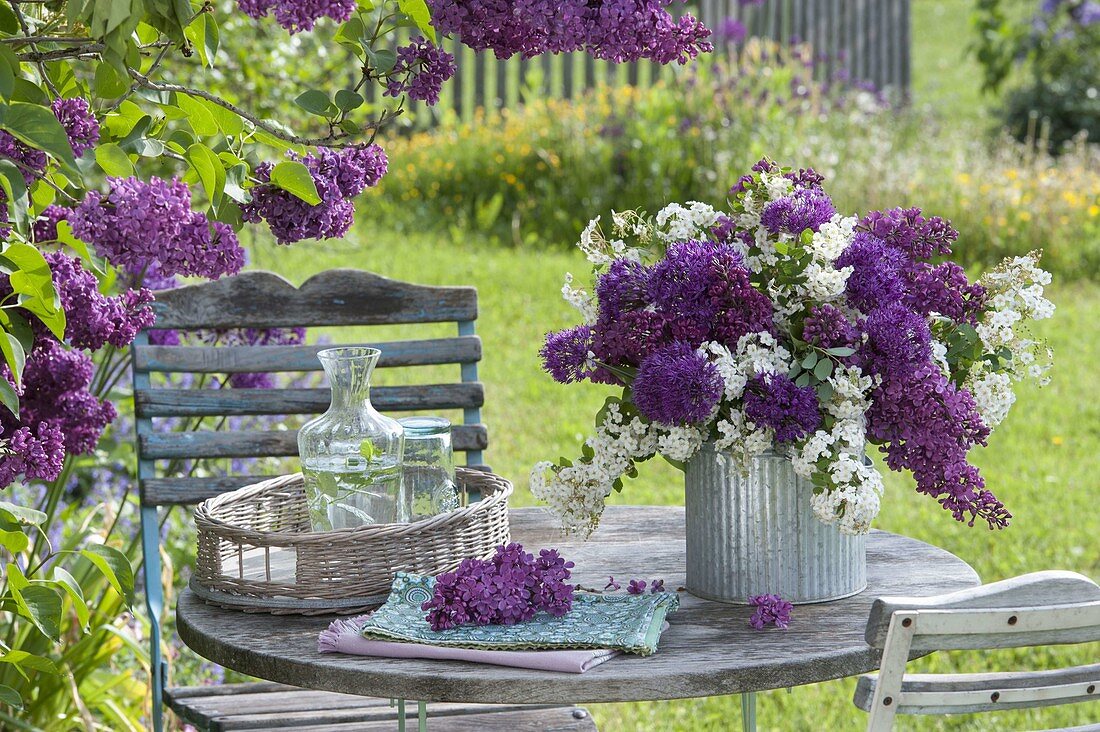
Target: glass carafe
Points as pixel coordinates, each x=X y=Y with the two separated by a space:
x=351 y=454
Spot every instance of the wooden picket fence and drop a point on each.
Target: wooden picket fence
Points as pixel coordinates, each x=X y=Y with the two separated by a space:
x=866 y=40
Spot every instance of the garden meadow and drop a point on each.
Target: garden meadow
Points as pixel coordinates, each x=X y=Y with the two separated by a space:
x=497 y=201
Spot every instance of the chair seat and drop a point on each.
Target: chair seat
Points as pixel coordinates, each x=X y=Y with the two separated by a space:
x=269 y=707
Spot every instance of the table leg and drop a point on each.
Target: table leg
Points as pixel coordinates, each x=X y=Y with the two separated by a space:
x=748 y=712
x=400 y=715
x=421 y=717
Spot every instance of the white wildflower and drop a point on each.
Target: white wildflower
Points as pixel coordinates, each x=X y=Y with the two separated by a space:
x=578 y=298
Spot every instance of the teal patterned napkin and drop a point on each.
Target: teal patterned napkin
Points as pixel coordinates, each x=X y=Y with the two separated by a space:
x=630 y=623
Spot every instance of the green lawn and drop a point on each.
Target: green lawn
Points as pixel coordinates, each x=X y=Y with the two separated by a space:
x=945 y=76
x=1042 y=462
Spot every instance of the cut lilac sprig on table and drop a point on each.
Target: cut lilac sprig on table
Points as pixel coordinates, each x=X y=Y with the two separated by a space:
x=771 y=609
x=636 y=587
x=509 y=588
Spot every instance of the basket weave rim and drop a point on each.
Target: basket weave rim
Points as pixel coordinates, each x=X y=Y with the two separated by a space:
x=206 y=513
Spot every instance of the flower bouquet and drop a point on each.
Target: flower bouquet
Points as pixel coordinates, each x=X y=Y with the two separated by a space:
x=783 y=328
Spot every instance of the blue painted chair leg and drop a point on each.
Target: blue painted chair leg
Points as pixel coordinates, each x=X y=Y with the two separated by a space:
x=748 y=712
x=154 y=603
x=421 y=717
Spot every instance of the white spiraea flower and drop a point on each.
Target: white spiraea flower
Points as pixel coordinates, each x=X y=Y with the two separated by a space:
x=992 y=392
x=741 y=439
x=832 y=238
x=578 y=298
x=852 y=500
x=776 y=185
x=680 y=223
x=680 y=443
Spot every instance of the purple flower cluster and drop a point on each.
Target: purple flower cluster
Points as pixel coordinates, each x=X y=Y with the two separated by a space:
x=93 y=319
x=80 y=124
x=34 y=455
x=421 y=70
x=827 y=327
x=338 y=175
x=566 y=355
x=139 y=224
x=774 y=401
x=31 y=162
x=45 y=227
x=256 y=337
x=805 y=208
x=906 y=229
x=298 y=15
x=509 y=588
x=676 y=385
x=613 y=30
x=770 y=609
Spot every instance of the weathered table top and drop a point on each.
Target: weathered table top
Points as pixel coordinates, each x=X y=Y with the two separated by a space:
x=709 y=648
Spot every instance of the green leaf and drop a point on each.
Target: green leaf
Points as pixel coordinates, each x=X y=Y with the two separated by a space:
x=383 y=61
x=29 y=660
x=368 y=450
x=295 y=178
x=8 y=397
x=38 y=127
x=14 y=541
x=418 y=11
x=107 y=83
x=824 y=369
x=115 y=567
x=198 y=116
x=113 y=160
x=350 y=35
x=41 y=605
x=22 y=514
x=9 y=66
x=227 y=120
x=840 y=351
x=10 y=697
x=68 y=583
x=810 y=361
x=803 y=379
x=14 y=355
x=315 y=102
x=348 y=100
x=208 y=166
x=34 y=283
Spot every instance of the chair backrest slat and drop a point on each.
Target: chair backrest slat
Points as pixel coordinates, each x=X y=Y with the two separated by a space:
x=332 y=298
x=237 y=402
x=247 y=359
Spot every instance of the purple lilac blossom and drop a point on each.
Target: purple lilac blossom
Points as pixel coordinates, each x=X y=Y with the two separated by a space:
x=511 y=587
x=776 y=402
x=298 y=15
x=770 y=609
x=877 y=272
x=31 y=454
x=139 y=224
x=255 y=337
x=421 y=70
x=944 y=289
x=612 y=30
x=657 y=585
x=93 y=319
x=805 y=178
x=612 y=585
x=676 y=385
x=45 y=226
x=636 y=587
x=827 y=327
x=907 y=230
x=80 y=124
x=566 y=354
x=338 y=175
x=806 y=208
x=31 y=162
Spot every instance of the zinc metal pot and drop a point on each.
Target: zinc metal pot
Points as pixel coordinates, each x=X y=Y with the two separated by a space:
x=756 y=534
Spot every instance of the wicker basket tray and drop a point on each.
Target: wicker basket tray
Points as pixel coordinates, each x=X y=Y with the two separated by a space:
x=256 y=551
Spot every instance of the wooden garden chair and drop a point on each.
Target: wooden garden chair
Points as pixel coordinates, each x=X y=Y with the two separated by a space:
x=1044 y=608
x=265 y=300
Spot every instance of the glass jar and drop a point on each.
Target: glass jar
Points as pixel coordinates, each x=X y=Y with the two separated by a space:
x=351 y=454
x=428 y=466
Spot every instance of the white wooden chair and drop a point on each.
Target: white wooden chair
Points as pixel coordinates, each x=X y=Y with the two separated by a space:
x=1043 y=608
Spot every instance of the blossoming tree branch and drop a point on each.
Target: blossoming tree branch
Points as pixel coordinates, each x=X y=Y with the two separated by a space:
x=123 y=167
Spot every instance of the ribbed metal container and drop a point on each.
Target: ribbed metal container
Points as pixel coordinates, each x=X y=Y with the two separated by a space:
x=757 y=534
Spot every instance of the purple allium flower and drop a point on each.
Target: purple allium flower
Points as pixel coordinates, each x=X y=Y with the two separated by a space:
x=421 y=70
x=92 y=319
x=139 y=224
x=774 y=401
x=612 y=585
x=613 y=30
x=636 y=587
x=827 y=327
x=338 y=176
x=45 y=227
x=676 y=385
x=877 y=272
x=298 y=15
x=770 y=609
x=703 y=291
x=567 y=354
x=898 y=342
x=731 y=30
x=80 y=124
x=806 y=208
x=625 y=329
x=509 y=588
x=907 y=230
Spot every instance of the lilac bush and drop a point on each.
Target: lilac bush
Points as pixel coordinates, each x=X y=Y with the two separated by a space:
x=782 y=325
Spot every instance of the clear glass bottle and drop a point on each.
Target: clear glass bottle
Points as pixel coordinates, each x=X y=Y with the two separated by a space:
x=428 y=466
x=351 y=454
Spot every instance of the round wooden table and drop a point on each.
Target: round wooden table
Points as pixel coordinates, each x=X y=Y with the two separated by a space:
x=709 y=648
